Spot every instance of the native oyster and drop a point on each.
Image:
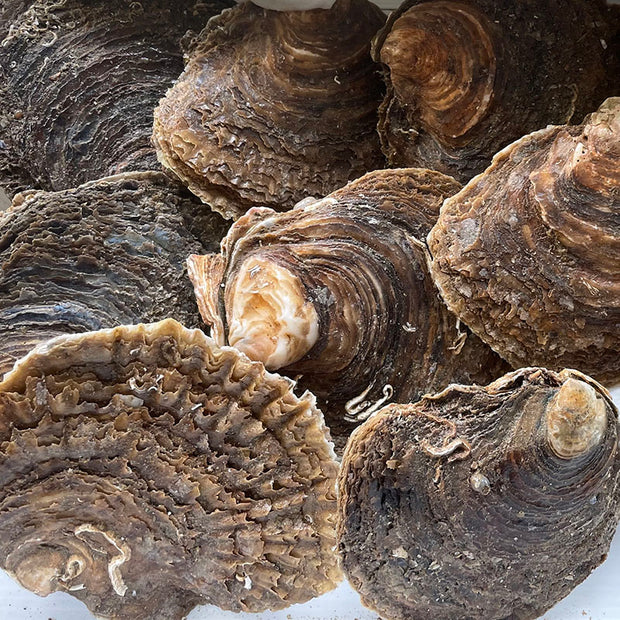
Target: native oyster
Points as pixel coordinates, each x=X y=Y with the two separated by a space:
x=274 y=106
x=79 y=81
x=109 y=252
x=528 y=253
x=465 y=78
x=338 y=291
x=481 y=502
x=144 y=470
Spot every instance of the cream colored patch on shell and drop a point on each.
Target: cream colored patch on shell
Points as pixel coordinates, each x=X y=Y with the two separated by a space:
x=576 y=419
x=271 y=319
x=114 y=565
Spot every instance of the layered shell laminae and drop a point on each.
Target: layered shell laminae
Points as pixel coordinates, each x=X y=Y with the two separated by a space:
x=144 y=470
x=481 y=502
x=109 y=252
x=528 y=253
x=274 y=106
x=467 y=77
x=338 y=291
x=79 y=81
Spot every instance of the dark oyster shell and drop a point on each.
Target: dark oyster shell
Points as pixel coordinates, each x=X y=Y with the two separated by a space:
x=109 y=252
x=338 y=290
x=144 y=470
x=274 y=106
x=79 y=81
x=9 y=10
x=528 y=253
x=465 y=78
x=479 y=502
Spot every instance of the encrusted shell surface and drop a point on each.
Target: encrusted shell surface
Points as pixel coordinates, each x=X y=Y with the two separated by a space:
x=274 y=106
x=467 y=77
x=79 y=81
x=145 y=470
x=528 y=253
x=338 y=291
x=106 y=253
x=481 y=502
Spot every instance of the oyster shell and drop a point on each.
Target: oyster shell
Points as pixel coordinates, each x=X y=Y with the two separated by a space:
x=144 y=470
x=338 y=290
x=274 y=106
x=481 y=502
x=528 y=253
x=465 y=78
x=9 y=10
x=79 y=81
x=109 y=252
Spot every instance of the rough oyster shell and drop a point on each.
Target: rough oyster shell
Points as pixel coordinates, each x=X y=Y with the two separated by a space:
x=79 y=81
x=481 y=502
x=338 y=290
x=109 y=252
x=528 y=253
x=274 y=106
x=144 y=470
x=465 y=78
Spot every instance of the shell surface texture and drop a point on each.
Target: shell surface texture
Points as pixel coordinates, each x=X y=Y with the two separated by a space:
x=106 y=253
x=338 y=291
x=144 y=470
x=274 y=106
x=481 y=502
x=465 y=78
x=528 y=253
x=79 y=82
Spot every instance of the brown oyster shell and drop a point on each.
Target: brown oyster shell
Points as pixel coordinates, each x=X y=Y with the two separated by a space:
x=106 y=253
x=274 y=106
x=144 y=470
x=79 y=81
x=360 y=262
x=467 y=77
x=528 y=253
x=481 y=502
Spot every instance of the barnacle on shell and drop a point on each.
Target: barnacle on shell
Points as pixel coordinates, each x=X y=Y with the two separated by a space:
x=467 y=77
x=528 y=253
x=274 y=107
x=79 y=81
x=107 y=253
x=338 y=290
x=145 y=470
x=481 y=502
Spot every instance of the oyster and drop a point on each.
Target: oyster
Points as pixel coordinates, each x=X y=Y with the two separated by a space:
x=338 y=290
x=481 y=502
x=274 y=106
x=467 y=77
x=109 y=252
x=528 y=253
x=79 y=81
x=144 y=470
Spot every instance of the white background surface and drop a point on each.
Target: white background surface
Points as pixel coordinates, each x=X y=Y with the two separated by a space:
x=595 y=599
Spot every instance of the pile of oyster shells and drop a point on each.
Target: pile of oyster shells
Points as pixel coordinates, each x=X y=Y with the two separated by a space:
x=390 y=366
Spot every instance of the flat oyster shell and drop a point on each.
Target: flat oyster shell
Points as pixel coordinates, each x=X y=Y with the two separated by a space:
x=145 y=470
